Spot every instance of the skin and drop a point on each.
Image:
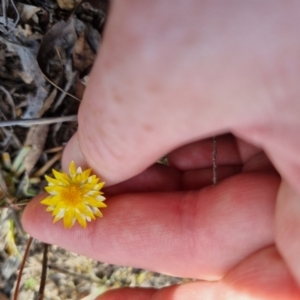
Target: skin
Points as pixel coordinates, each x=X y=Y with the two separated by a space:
x=169 y=76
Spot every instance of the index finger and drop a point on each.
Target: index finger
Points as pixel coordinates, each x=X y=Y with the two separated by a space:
x=200 y=234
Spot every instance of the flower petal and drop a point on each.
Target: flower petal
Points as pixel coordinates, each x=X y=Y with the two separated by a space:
x=59 y=215
x=72 y=169
x=93 y=202
x=85 y=175
x=80 y=218
x=68 y=217
x=52 y=200
x=52 y=181
x=62 y=177
x=97 y=213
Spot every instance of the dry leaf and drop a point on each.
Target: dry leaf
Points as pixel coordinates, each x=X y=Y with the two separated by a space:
x=102 y=5
x=91 y=34
x=32 y=70
x=62 y=35
x=24 y=76
x=27 y=11
x=48 y=103
x=36 y=138
x=26 y=30
x=79 y=88
x=83 y=55
x=67 y=4
x=9 y=24
x=2 y=56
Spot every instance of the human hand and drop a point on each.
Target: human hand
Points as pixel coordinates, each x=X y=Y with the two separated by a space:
x=162 y=82
x=171 y=220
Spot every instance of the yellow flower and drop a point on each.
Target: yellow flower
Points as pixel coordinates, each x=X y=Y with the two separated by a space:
x=76 y=196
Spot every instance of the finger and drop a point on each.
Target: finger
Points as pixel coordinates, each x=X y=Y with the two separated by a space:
x=288 y=227
x=209 y=230
x=262 y=276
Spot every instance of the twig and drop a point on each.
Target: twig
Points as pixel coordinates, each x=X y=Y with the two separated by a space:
x=9 y=134
x=11 y=43
x=4 y=190
x=22 y=268
x=55 y=129
x=65 y=91
x=79 y=276
x=214 y=159
x=9 y=100
x=16 y=206
x=44 y=273
x=4 y=8
x=54 y=150
x=48 y=164
x=17 y=18
x=59 y=88
x=38 y=121
x=5 y=138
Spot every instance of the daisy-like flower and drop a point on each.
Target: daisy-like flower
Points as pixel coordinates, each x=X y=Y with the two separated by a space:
x=76 y=196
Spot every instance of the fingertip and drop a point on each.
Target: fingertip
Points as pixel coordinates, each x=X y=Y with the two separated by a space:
x=34 y=214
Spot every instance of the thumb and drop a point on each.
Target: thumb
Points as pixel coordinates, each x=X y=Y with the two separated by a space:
x=124 y=143
x=133 y=111
x=160 y=82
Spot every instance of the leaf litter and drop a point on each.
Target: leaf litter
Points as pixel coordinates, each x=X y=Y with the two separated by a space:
x=47 y=50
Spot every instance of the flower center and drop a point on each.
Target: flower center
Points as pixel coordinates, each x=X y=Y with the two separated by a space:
x=72 y=195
